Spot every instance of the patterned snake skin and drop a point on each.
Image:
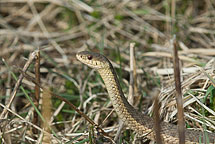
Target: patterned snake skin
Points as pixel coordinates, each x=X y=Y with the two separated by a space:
x=135 y=120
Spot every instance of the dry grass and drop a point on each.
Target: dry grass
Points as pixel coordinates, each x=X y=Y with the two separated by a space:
x=60 y=28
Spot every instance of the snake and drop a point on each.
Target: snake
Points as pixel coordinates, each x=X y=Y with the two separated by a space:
x=140 y=123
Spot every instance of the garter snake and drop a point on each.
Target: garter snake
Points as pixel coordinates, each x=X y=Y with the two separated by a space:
x=135 y=120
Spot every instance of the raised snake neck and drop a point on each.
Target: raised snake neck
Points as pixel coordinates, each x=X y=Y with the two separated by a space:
x=140 y=123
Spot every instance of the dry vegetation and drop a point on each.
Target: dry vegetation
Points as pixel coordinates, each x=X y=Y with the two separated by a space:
x=61 y=28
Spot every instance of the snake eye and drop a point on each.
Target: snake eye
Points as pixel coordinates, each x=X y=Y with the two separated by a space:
x=90 y=57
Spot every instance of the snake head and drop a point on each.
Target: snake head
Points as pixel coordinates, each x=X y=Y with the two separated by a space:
x=93 y=60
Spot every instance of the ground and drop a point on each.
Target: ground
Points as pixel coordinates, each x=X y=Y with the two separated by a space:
x=59 y=29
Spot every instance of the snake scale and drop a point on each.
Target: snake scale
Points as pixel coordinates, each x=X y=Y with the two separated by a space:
x=135 y=120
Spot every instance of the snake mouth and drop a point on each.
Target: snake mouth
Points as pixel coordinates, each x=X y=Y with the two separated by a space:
x=82 y=58
x=79 y=57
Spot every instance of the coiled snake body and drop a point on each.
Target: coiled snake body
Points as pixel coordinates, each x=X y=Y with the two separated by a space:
x=140 y=123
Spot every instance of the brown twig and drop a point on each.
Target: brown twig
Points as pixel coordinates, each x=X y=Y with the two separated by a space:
x=179 y=100
x=37 y=89
x=157 y=126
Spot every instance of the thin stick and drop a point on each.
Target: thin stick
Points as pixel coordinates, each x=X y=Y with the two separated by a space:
x=131 y=81
x=157 y=126
x=181 y=129
x=37 y=89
